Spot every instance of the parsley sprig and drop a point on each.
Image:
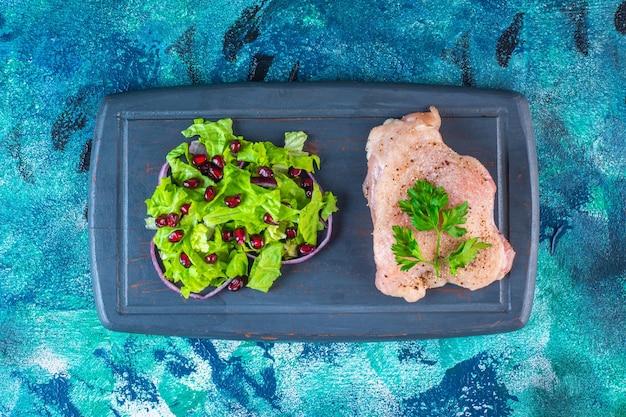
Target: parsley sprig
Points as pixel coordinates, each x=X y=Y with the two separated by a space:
x=427 y=207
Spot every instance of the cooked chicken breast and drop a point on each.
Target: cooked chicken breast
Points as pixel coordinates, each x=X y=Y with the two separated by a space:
x=400 y=152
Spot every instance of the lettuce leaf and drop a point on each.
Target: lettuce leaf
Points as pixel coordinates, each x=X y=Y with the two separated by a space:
x=238 y=265
x=182 y=171
x=294 y=141
x=329 y=205
x=167 y=198
x=266 y=268
x=215 y=136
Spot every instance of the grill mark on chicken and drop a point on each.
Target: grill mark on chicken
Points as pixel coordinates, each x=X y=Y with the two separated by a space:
x=400 y=152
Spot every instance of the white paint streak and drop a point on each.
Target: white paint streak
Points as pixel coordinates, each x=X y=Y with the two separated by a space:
x=145 y=409
x=51 y=362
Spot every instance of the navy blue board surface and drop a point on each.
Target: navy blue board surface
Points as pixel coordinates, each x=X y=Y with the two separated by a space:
x=331 y=297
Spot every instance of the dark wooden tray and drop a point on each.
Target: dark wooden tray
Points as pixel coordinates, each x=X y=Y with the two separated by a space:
x=331 y=297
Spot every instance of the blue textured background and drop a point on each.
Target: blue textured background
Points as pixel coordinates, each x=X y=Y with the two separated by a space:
x=59 y=58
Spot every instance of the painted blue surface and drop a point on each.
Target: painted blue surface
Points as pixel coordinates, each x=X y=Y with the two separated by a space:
x=59 y=59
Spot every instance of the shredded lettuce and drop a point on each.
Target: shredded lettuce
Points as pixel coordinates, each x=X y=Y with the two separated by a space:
x=215 y=136
x=204 y=221
x=167 y=198
x=266 y=268
x=294 y=141
x=309 y=217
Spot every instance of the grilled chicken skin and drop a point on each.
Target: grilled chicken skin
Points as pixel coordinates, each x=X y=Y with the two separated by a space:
x=401 y=151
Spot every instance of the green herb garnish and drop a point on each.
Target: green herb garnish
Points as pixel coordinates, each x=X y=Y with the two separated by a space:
x=426 y=206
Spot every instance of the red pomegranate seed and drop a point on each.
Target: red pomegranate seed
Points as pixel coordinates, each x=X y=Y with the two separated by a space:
x=265 y=172
x=306 y=183
x=308 y=193
x=161 y=221
x=291 y=232
x=235 y=146
x=176 y=236
x=257 y=242
x=184 y=260
x=198 y=159
x=210 y=193
x=232 y=201
x=204 y=168
x=242 y=164
x=294 y=172
x=211 y=258
x=215 y=173
x=218 y=161
x=240 y=235
x=305 y=249
x=172 y=219
x=185 y=208
x=191 y=183
x=237 y=283
x=267 y=218
x=227 y=235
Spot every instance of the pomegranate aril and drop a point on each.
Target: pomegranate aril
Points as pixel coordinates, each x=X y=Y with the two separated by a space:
x=306 y=183
x=256 y=241
x=161 y=221
x=267 y=218
x=176 y=236
x=232 y=201
x=191 y=183
x=210 y=193
x=235 y=146
x=211 y=258
x=204 y=168
x=218 y=161
x=172 y=219
x=184 y=260
x=305 y=249
x=198 y=159
x=227 y=235
x=242 y=164
x=265 y=172
x=237 y=283
x=215 y=173
x=291 y=232
x=294 y=172
x=240 y=235
x=185 y=208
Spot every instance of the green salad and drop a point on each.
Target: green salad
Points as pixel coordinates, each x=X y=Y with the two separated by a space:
x=232 y=210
